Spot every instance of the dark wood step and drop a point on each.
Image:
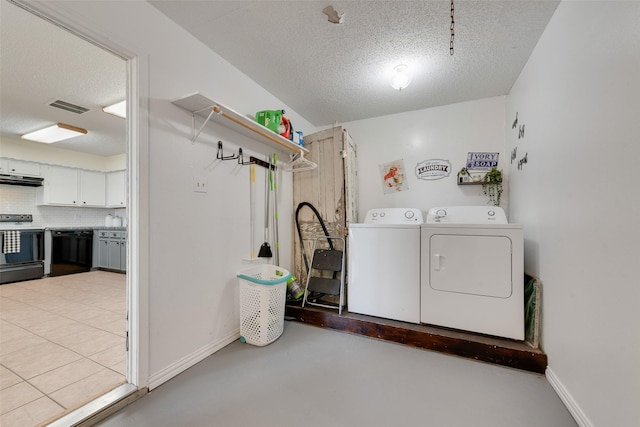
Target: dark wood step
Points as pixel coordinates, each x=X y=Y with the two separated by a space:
x=505 y=352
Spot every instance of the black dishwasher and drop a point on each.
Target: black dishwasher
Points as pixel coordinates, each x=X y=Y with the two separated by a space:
x=71 y=251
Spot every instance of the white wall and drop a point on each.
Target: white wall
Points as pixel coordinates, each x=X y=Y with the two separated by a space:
x=578 y=198
x=448 y=133
x=197 y=240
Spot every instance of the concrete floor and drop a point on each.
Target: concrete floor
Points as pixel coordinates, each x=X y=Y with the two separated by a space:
x=316 y=377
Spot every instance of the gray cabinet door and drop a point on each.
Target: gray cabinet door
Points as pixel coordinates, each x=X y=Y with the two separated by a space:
x=103 y=253
x=114 y=254
x=123 y=255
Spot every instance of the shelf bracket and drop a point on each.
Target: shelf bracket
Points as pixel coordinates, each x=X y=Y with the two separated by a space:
x=195 y=135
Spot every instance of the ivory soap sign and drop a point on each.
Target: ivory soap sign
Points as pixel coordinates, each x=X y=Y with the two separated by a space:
x=433 y=169
x=482 y=161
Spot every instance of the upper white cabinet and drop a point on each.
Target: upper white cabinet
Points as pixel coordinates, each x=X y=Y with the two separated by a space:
x=72 y=187
x=60 y=186
x=92 y=188
x=116 y=189
x=19 y=167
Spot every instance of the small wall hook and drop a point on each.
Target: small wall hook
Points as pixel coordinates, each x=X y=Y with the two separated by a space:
x=220 y=155
x=241 y=158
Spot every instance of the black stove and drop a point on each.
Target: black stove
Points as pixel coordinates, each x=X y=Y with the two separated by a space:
x=21 y=248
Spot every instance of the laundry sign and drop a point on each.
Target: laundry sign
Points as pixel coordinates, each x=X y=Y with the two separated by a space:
x=482 y=161
x=433 y=169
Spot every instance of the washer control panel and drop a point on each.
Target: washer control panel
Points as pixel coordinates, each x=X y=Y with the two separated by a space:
x=394 y=216
x=467 y=215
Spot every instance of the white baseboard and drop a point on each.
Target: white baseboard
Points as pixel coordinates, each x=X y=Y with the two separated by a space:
x=191 y=359
x=576 y=412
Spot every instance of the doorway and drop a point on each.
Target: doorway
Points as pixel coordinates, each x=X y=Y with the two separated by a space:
x=131 y=138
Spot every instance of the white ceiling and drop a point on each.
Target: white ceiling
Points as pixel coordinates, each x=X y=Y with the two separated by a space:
x=41 y=63
x=337 y=73
x=327 y=72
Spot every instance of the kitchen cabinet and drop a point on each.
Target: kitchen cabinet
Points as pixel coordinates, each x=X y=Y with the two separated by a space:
x=112 y=250
x=92 y=188
x=117 y=189
x=60 y=186
x=72 y=187
x=19 y=167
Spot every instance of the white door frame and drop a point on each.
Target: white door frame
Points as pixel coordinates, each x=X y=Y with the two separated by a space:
x=62 y=15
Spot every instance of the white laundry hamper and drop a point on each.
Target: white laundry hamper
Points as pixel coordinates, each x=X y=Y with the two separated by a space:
x=263 y=293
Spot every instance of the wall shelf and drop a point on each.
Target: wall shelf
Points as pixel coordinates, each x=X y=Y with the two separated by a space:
x=200 y=105
x=470 y=183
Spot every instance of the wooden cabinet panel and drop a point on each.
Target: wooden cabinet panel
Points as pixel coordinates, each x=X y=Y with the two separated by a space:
x=331 y=189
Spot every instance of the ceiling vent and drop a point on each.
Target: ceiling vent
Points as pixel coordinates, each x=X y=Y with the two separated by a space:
x=63 y=105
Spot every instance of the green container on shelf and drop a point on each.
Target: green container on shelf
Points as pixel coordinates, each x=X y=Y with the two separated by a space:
x=271 y=119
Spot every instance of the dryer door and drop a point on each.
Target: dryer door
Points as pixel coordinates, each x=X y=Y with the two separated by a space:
x=475 y=265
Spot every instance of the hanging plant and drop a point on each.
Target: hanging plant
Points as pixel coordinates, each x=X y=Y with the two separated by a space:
x=492 y=186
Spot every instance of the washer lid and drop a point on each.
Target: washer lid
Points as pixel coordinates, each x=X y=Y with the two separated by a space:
x=467 y=215
x=394 y=216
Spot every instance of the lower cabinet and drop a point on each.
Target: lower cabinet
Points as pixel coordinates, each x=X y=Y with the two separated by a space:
x=112 y=250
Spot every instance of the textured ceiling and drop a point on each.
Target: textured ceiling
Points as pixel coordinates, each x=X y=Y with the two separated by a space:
x=328 y=73
x=337 y=73
x=41 y=63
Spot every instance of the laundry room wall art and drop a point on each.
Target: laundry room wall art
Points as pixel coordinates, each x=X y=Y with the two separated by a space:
x=433 y=169
x=519 y=128
x=394 y=178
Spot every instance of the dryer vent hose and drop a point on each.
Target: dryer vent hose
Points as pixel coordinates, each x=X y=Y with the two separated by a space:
x=324 y=228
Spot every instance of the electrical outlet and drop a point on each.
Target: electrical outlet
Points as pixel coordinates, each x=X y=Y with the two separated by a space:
x=199 y=184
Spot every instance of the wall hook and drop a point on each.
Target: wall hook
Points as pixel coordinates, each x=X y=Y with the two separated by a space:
x=220 y=155
x=241 y=158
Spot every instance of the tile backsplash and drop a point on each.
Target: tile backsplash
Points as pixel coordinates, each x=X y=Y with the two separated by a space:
x=16 y=199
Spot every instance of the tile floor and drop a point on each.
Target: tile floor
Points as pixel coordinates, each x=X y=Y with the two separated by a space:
x=62 y=343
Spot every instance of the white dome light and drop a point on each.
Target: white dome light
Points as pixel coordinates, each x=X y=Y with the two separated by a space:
x=401 y=77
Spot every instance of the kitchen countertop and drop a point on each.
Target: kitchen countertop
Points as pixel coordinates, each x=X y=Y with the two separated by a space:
x=86 y=227
x=102 y=227
x=11 y=226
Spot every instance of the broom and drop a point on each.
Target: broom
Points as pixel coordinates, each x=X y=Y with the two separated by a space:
x=265 y=249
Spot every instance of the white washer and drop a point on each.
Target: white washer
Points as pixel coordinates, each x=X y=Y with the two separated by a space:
x=384 y=264
x=472 y=271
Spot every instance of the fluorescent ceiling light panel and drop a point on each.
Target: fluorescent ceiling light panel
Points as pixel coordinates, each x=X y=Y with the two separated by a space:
x=55 y=133
x=119 y=109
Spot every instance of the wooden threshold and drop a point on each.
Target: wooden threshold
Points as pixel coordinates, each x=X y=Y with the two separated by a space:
x=505 y=352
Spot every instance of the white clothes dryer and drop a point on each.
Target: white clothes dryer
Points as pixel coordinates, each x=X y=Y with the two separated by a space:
x=384 y=264
x=472 y=274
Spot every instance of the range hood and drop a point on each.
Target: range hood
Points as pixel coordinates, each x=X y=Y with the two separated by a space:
x=27 y=181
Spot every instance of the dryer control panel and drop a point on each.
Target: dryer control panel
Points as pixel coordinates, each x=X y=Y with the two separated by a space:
x=394 y=216
x=467 y=215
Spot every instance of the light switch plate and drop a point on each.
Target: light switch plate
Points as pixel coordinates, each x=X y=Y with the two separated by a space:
x=199 y=184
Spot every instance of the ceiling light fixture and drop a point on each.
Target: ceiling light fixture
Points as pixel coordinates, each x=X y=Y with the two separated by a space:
x=401 y=77
x=55 y=133
x=119 y=109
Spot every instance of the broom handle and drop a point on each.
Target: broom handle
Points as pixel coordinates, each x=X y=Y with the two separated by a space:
x=252 y=204
x=266 y=196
